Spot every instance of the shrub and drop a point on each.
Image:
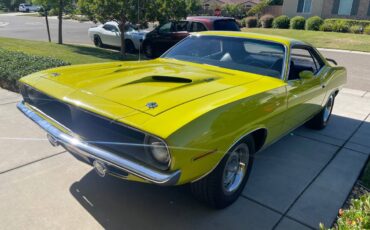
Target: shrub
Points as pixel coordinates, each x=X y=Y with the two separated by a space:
x=281 y=22
x=340 y=26
x=356 y=29
x=367 y=30
x=250 y=22
x=14 y=65
x=297 y=23
x=350 y=22
x=356 y=217
x=327 y=27
x=314 y=23
x=266 y=21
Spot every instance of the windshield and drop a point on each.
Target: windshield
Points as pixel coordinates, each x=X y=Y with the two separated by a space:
x=249 y=55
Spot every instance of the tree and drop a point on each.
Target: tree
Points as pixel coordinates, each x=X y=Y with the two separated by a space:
x=59 y=5
x=257 y=9
x=123 y=11
x=233 y=10
x=193 y=7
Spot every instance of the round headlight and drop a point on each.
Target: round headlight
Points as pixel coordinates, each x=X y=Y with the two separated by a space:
x=159 y=150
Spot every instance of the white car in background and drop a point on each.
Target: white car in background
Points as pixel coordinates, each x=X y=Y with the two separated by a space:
x=109 y=34
x=26 y=7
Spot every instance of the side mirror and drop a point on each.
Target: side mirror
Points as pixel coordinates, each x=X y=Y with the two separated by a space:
x=306 y=75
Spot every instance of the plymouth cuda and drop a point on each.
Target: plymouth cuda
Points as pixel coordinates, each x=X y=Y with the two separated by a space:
x=197 y=115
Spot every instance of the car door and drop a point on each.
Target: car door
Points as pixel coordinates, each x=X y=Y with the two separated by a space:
x=181 y=31
x=162 y=38
x=110 y=35
x=305 y=96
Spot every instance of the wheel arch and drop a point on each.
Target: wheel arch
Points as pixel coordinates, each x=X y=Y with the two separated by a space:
x=259 y=136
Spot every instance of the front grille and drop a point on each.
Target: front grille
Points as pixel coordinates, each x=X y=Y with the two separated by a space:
x=94 y=129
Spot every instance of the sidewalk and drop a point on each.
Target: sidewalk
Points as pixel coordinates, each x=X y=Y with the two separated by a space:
x=296 y=183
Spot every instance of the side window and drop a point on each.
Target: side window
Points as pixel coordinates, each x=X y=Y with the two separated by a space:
x=182 y=26
x=166 y=28
x=197 y=27
x=303 y=59
x=110 y=28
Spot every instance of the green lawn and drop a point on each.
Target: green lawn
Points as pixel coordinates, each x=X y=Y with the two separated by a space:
x=331 y=40
x=74 y=54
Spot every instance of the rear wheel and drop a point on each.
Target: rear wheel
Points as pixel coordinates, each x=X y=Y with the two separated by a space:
x=129 y=46
x=321 y=120
x=148 y=50
x=224 y=184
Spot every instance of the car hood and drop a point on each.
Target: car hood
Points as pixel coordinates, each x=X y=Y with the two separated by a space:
x=152 y=87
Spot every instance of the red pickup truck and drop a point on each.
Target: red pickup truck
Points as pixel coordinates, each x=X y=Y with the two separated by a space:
x=166 y=35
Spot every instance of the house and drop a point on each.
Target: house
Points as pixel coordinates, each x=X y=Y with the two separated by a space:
x=355 y=9
x=216 y=4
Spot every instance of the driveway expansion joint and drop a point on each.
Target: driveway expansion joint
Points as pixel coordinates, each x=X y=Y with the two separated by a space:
x=319 y=173
x=8 y=103
x=32 y=162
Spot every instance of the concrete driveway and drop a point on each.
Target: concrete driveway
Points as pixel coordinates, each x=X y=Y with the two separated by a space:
x=297 y=183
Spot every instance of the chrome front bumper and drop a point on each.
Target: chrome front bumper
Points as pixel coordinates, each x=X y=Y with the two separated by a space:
x=109 y=158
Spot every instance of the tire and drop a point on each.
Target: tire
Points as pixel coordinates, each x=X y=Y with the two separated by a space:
x=98 y=42
x=129 y=46
x=148 y=50
x=214 y=189
x=321 y=120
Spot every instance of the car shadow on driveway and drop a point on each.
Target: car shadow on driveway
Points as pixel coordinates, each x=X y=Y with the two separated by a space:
x=300 y=169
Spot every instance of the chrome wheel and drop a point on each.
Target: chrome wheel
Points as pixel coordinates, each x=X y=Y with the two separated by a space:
x=328 y=108
x=235 y=168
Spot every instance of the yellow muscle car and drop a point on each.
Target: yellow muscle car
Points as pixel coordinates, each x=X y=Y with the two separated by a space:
x=195 y=115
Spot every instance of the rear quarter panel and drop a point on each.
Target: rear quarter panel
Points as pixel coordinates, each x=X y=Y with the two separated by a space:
x=335 y=79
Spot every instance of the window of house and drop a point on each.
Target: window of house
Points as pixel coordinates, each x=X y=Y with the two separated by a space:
x=345 y=7
x=304 y=6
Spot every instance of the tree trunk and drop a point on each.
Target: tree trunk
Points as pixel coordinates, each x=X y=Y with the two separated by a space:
x=47 y=24
x=122 y=30
x=60 y=20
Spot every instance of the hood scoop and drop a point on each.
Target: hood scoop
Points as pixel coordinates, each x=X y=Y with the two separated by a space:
x=171 y=79
x=167 y=79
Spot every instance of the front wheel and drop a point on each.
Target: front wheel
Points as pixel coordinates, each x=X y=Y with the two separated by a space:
x=98 y=42
x=321 y=120
x=224 y=184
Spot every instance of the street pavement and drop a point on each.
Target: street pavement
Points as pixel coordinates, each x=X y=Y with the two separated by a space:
x=33 y=28
x=298 y=182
